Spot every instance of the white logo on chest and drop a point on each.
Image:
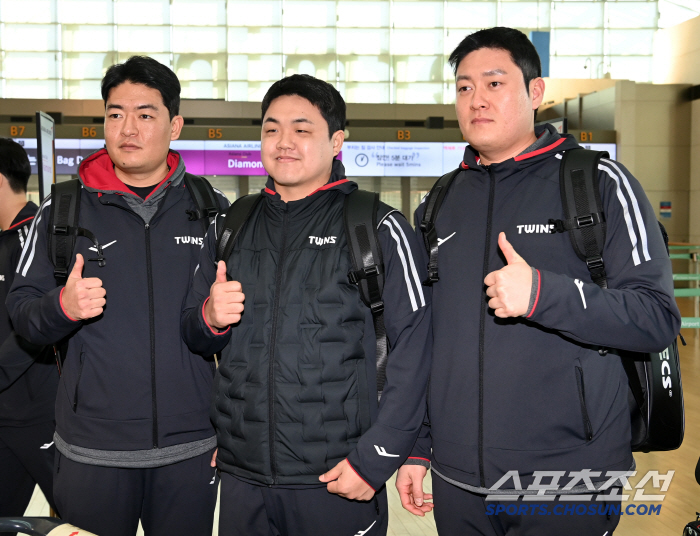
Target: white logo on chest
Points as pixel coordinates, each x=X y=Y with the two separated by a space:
x=2 y=278
x=321 y=240
x=536 y=228
x=579 y=284
x=196 y=240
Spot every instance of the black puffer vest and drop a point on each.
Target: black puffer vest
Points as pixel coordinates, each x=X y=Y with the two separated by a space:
x=292 y=395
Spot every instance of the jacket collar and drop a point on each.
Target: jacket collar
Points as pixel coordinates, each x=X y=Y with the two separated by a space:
x=336 y=181
x=555 y=144
x=25 y=215
x=97 y=174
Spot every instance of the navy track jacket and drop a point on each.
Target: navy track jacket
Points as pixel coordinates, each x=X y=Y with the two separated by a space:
x=295 y=392
x=534 y=394
x=28 y=373
x=129 y=382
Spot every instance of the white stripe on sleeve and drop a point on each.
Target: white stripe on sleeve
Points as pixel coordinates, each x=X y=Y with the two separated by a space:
x=637 y=211
x=414 y=272
x=409 y=286
x=626 y=212
x=31 y=238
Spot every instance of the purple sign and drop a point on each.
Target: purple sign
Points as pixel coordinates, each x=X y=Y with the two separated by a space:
x=220 y=157
x=233 y=163
x=201 y=157
x=203 y=162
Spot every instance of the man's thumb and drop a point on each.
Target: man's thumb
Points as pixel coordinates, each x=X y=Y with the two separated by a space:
x=508 y=252
x=221 y=272
x=331 y=475
x=417 y=493
x=77 y=272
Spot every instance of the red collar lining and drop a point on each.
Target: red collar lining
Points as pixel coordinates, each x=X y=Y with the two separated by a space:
x=328 y=186
x=540 y=151
x=20 y=223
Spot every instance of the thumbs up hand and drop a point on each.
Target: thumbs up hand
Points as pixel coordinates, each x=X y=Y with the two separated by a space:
x=509 y=288
x=82 y=298
x=225 y=303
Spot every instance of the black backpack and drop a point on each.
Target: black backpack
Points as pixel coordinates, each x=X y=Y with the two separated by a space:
x=655 y=394
x=360 y=217
x=65 y=211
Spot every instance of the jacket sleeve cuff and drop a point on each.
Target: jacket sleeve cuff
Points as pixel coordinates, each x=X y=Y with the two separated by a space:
x=215 y=331
x=358 y=474
x=534 y=292
x=418 y=461
x=60 y=302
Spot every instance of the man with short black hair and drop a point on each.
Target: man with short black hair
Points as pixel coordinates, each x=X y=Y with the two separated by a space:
x=28 y=375
x=133 y=434
x=523 y=394
x=295 y=402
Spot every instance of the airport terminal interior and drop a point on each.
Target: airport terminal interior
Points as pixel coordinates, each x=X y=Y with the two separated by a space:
x=620 y=76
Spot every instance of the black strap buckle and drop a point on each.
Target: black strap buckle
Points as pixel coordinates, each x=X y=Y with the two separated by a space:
x=377 y=308
x=61 y=230
x=595 y=263
x=355 y=276
x=426 y=226
x=585 y=221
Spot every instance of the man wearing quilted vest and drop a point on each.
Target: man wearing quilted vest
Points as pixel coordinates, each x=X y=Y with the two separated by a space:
x=304 y=447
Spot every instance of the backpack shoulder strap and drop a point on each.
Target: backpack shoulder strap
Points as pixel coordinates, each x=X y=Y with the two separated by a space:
x=63 y=219
x=236 y=216
x=427 y=224
x=360 y=215
x=204 y=199
x=583 y=211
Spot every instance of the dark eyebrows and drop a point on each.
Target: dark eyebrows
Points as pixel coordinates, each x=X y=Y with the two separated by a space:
x=300 y=120
x=140 y=107
x=493 y=72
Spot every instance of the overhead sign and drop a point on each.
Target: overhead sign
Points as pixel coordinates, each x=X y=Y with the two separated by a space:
x=218 y=157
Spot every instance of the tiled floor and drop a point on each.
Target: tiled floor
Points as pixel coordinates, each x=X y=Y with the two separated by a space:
x=678 y=508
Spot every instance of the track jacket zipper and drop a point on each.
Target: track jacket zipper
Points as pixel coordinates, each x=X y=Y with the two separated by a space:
x=482 y=322
x=151 y=310
x=152 y=330
x=273 y=338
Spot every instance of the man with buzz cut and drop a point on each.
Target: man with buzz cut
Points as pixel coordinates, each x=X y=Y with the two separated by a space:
x=521 y=380
x=133 y=434
x=304 y=447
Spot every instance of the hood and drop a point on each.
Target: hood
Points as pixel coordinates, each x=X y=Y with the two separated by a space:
x=97 y=174
x=557 y=143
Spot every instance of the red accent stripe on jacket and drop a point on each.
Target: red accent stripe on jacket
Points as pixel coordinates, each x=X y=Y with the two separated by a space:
x=20 y=223
x=540 y=151
x=537 y=297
